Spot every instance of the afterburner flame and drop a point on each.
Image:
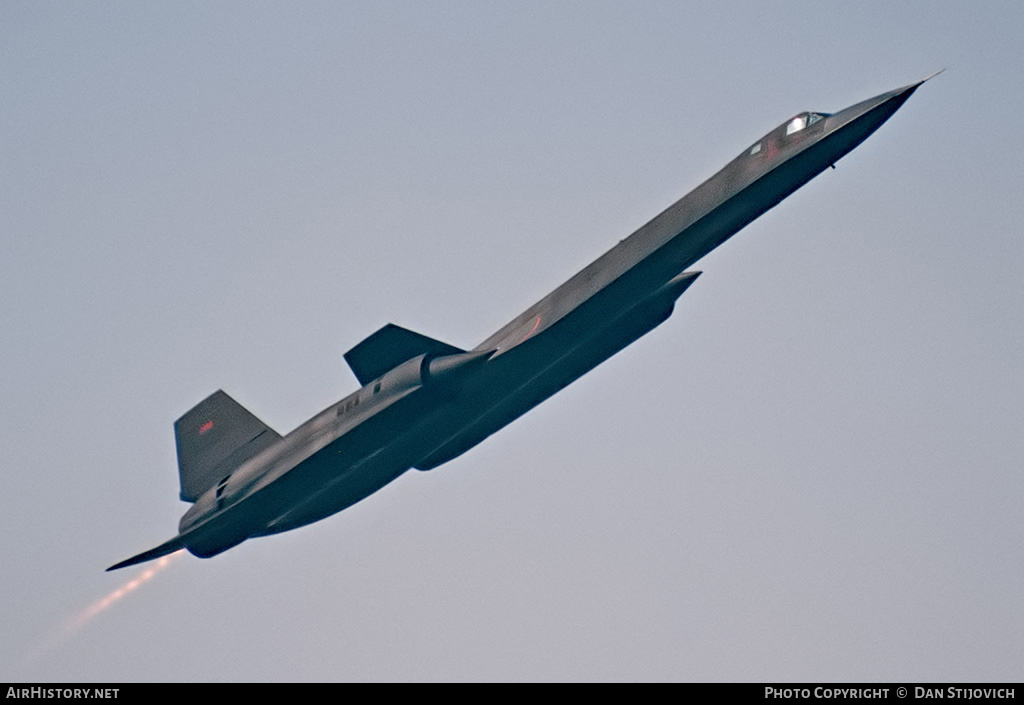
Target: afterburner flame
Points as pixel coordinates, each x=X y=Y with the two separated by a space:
x=90 y=612
x=60 y=635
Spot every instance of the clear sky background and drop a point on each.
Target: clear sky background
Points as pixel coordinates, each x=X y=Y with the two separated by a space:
x=813 y=471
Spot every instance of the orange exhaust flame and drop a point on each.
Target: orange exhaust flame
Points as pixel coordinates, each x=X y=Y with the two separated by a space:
x=90 y=612
x=63 y=634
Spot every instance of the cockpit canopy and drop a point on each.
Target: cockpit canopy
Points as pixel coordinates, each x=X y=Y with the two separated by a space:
x=801 y=121
x=775 y=138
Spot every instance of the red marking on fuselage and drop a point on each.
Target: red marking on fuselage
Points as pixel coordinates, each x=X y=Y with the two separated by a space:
x=536 y=325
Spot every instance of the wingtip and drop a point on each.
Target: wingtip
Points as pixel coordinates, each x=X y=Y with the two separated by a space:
x=134 y=560
x=164 y=549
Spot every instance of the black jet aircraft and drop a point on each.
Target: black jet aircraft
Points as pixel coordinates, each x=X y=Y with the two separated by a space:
x=424 y=402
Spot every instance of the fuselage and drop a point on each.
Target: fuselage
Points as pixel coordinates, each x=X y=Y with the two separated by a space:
x=430 y=409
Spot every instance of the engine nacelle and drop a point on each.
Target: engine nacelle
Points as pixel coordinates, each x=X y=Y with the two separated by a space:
x=410 y=374
x=434 y=371
x=217 y=536
x=209 y=546
x=204 y=508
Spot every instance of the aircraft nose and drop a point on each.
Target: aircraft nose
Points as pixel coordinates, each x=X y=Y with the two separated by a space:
x=901 y=94
x=871 y=113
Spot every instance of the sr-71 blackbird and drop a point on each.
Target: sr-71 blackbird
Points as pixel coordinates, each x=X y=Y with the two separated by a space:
x=424 y=402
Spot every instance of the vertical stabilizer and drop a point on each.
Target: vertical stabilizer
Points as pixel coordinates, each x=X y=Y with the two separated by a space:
x=215 y=437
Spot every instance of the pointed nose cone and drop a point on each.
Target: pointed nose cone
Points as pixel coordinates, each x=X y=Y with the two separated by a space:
x=874 y=111
x=899 y=96
x=848 y=128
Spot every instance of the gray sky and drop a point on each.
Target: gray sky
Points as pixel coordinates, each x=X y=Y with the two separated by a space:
x=811 y=472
